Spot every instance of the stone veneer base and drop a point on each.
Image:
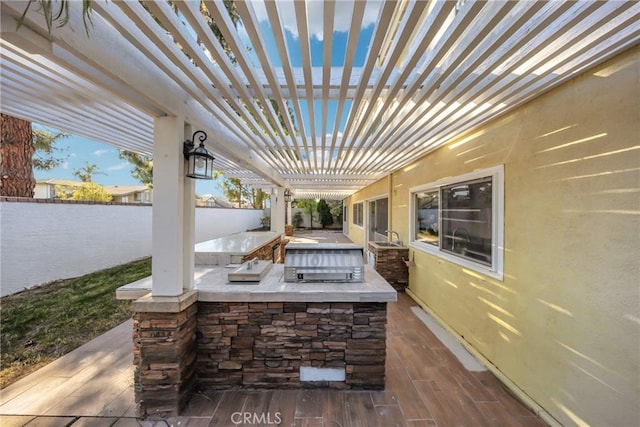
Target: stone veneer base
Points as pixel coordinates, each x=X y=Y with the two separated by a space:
x=391 y=266
x=164 y=356
x=224 y=345
x=263 y=345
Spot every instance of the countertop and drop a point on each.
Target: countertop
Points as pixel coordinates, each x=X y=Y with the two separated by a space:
x=212 y=285
x=236 y=244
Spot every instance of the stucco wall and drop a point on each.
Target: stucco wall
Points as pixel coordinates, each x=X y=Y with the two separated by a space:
x=564 y=324
x=42 y=242
x=358 y=234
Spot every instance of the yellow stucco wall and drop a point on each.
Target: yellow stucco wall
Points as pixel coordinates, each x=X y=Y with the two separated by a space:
x=564 y=324
x=376 y=190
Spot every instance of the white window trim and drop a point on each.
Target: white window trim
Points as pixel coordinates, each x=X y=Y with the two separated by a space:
x=496 y=270
x=353 y=213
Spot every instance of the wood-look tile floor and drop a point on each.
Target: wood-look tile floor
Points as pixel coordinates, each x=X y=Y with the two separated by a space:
x=426 y=386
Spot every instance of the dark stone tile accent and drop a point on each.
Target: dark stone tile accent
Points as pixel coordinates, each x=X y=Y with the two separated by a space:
x=389 y=263
x=263 y=345
x=164 y=357
x=270 y=251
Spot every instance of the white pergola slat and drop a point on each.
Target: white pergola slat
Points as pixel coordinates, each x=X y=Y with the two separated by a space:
x=432 y=72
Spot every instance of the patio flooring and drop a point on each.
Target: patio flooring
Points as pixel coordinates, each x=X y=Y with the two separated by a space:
x=426 y=385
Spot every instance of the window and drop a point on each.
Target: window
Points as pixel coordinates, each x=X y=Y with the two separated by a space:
x=378 y=219
x=427 y=216
x=460 y=219
x=358 y=213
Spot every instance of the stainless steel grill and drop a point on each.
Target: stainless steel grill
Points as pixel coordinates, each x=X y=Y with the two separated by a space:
x=323 y=262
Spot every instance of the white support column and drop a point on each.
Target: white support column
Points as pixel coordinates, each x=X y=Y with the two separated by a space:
x=277 y=210
x=168 y=207
x=189 y=222
x=289 y=213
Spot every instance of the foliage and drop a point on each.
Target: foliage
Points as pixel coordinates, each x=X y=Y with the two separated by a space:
x=142 y=166
x=297 y=219
x=64 y=192
x=45 y=150
x=91 y=192
x=266 y=221
x=324 y=212
x=309 y=206
x=88 y=192
x=60 y=15
x=234 y=191
x=85 y=173
x=336 y=209
x=258 y=197
x=43 y=323
x=235 y=18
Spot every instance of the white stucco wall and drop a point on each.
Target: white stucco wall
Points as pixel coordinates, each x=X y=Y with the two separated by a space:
x=43 y=242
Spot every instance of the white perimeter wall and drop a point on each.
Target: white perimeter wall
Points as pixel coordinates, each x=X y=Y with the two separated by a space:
x=43 y=242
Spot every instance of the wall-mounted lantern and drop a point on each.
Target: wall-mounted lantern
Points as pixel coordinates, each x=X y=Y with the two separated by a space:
x=287 y=195
x=199 y=158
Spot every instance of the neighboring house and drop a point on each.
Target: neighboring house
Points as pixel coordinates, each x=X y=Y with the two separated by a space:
x=130 y=193
x=213 y=202
x=49 y=188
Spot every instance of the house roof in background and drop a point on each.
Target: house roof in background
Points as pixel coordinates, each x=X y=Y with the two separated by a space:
x=62 y=182
x=365 y=87
x=123 y=190
x=220 y=202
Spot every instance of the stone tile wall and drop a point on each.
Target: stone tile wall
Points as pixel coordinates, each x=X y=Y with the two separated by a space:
x=164 y=357
x=390 y=265
x=269 y=251
x=263 y=345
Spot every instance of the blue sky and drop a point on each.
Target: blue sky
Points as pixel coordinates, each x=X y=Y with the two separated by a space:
x=114 y=171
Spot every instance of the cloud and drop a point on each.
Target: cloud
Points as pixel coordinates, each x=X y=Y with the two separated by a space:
x=118 y=167
x=315 y=12
x=99 y=153
x=65 y=165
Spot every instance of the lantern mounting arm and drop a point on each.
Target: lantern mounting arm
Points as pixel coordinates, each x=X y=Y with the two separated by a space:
x=200 y=160
x=189 y=144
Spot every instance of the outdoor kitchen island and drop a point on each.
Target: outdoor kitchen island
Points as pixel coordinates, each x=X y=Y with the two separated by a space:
x=266 y=334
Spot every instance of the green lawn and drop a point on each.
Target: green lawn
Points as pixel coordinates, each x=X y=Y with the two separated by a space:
x=41 y=324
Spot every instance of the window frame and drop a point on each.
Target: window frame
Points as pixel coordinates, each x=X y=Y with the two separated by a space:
x=355 y=211
x=496 y=269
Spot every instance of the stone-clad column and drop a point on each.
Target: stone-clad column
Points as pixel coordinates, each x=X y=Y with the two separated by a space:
x=164 y=340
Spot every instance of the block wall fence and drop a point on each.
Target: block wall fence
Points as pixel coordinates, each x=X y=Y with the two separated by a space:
x=42 y=241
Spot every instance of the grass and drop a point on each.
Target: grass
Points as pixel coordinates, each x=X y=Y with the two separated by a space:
x=41 y=324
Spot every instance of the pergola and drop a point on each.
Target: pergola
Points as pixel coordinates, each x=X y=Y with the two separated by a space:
x=323 y=98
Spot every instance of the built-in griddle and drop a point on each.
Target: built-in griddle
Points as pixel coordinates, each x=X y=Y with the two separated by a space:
x=323 y=262
x=251 y=271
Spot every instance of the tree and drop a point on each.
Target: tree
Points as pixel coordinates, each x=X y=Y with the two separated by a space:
x=258 y=198
x=234 y=191
x=23 y=149
x=297 y=219
x=142 y=166
x=324 y=212
x=16 y=152
x=46 y=156
x=85 y=173
x=89 y=192
x=309 y=207
x=337 y=210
